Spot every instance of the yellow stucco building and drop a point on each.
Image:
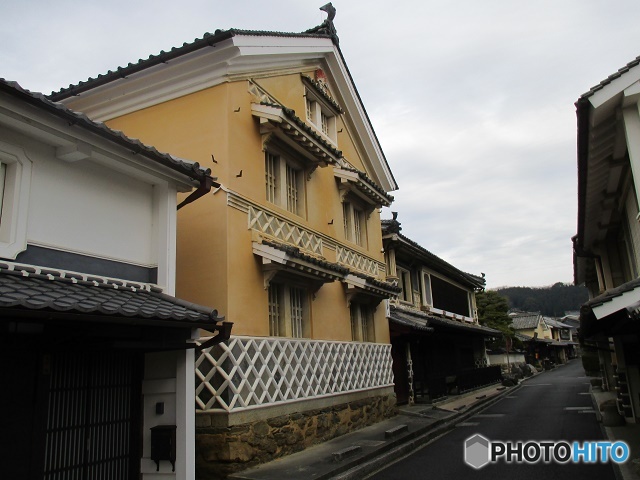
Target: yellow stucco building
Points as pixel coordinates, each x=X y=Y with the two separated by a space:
x=288 y=246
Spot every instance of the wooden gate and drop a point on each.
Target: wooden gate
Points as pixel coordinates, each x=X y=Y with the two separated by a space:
x=92 y=429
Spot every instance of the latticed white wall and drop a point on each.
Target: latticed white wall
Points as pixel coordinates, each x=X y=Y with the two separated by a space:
x=249 y=372
x=282 y=230
x=357 y=261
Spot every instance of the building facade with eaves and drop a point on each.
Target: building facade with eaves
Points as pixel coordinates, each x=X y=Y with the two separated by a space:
x=438 y=345
x=606 y=247
x=97 y=353
x=289 y=246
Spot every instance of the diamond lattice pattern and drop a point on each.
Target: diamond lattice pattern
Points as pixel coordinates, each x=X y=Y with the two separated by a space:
x=357 y=261
x=249 y=372
x=279 y=229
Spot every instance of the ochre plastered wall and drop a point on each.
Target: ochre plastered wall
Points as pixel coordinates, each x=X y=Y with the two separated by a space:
x=216 y=265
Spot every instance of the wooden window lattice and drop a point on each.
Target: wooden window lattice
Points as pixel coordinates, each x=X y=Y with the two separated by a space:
x=271 y=178
x=274 y=309
x=296 y=296
x=292 y=189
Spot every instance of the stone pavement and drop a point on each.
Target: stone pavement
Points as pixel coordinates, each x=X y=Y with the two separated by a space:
x=628 y=433
x=364 y=451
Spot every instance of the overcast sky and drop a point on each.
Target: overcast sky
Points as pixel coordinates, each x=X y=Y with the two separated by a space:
x=472 y=101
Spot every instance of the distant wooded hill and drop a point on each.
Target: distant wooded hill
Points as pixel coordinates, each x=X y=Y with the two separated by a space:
x=551 y=301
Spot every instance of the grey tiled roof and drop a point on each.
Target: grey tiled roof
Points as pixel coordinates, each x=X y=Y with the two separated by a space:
x=446 y=322
x=190 y=169
x=320 y=91
x=379 y=283
x=27 y=288
x=611 y=78
x=435 y=322
x=525 y=322
x=370 y=183
x=207 y=40
x=411 y=321
x=393 y=226
x=297 y=253
x=612 y=293
x=291 y=115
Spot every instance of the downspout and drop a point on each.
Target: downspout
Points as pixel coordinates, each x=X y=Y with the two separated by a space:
x=206 y=183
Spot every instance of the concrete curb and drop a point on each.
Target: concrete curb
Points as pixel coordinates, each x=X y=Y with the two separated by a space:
x=406 y=445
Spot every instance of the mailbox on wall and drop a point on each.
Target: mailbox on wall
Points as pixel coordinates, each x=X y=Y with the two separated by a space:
x=163 y=445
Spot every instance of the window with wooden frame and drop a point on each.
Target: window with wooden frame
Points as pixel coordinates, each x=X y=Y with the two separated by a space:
x=321 y=116
x=362 y=327
x=284 y=181
x=355 y=223
x=427 y=296
x=404 y=282
x=288 y=311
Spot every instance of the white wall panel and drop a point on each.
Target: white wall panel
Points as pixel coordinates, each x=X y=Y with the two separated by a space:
x=86 y=208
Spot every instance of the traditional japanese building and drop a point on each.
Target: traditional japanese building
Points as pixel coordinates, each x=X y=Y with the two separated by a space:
x=606 y=246
x=97 y=354
x=289 y=245
x=437 y=343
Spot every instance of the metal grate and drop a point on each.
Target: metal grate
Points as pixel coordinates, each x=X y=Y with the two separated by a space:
x=250 y=372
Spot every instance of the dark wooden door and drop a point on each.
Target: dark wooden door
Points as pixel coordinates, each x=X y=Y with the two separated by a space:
x=93 y=416
x=400 y=374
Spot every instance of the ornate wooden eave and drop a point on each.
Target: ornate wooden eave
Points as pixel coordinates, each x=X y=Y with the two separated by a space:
x=377 y=290
x=356 y=182
x=284 y=124
x=278 y=258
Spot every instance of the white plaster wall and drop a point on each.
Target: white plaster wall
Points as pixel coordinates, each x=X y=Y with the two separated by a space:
x=87 y=208
x=165 y=374
x=501 y=358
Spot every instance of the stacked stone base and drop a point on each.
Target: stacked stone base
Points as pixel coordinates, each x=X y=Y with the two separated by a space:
x=221 y=451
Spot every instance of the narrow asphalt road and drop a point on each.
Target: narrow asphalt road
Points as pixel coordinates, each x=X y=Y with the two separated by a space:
x=555 y=405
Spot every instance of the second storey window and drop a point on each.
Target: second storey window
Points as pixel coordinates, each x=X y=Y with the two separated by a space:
x=355 y=224
x=426 y=289
x=284 y=182
x=321 y=117
x=404 y=279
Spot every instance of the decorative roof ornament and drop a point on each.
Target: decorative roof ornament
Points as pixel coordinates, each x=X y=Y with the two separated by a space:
x=327 y=27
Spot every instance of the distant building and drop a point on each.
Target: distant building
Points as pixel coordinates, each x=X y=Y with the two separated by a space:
x=544 y=338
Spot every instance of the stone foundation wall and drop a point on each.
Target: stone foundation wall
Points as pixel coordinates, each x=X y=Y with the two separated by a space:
x=221 y=451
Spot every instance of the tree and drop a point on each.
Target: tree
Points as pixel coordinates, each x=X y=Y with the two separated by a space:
x=492 y=312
